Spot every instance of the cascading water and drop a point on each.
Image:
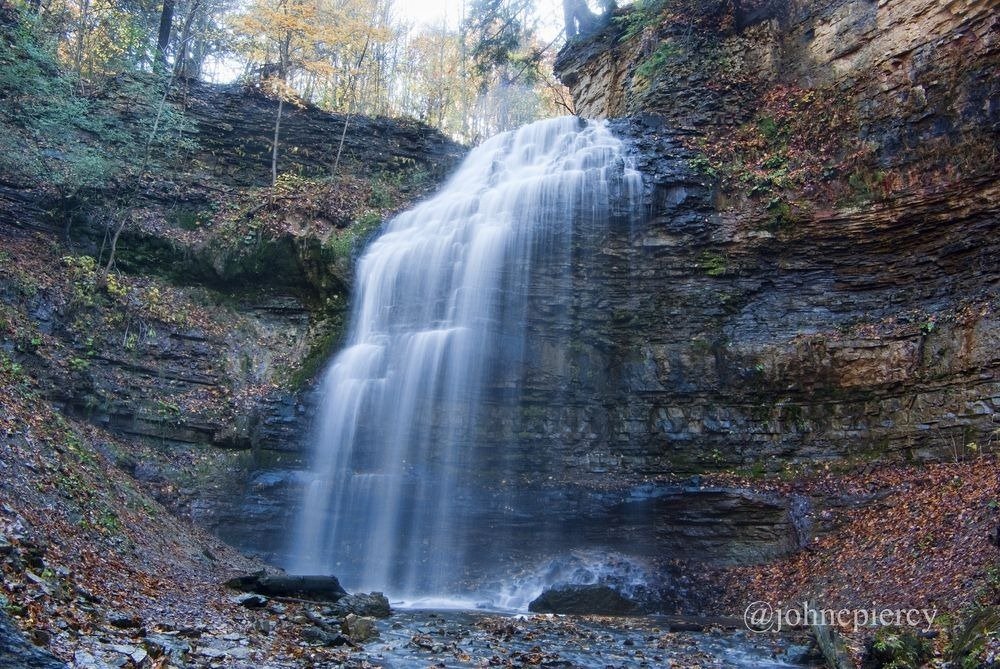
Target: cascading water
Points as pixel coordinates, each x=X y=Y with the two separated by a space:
x=403 y=497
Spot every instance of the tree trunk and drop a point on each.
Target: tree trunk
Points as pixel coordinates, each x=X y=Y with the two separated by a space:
x=322 y=588
x=81 y=36
x=114 y=248
x=163 y=37
x=181 y=65
x=274 y=145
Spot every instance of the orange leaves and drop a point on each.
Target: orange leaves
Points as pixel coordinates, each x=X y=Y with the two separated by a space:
x=306 y=35
x=923 y=542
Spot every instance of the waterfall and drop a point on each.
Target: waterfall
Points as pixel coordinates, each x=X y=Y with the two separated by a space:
x=403 y=495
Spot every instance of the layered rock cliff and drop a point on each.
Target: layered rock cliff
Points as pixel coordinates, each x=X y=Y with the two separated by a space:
x=818 y=275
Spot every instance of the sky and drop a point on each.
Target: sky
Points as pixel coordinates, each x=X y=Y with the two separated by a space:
x=433 y=12
x=430 y=12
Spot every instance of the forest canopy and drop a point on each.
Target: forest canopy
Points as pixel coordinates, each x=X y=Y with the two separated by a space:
x=483 y=69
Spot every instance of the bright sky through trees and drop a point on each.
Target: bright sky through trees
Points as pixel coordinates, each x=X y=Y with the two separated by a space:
x=471 y=68
x=433 y=12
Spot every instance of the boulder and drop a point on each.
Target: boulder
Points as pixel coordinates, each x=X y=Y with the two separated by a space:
x=251 y=600
x=372 y=604
x=169 y=646
x=359 y=628
x=584 y=599
x=321 y=637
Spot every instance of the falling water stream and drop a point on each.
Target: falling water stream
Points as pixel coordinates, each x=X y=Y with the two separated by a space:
x=399 y=487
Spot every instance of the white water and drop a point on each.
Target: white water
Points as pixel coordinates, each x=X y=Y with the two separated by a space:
x=439 y=329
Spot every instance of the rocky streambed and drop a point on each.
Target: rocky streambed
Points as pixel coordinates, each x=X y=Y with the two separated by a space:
x=423 y=638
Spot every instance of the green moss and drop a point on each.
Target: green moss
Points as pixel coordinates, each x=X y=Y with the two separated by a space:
x=780 y=213
x=323 y=345
x=769 y=128
x=189 y=218
x=713 y=263
x=658 y=60
x=344 y=244
x=701 y=346
x=867 y=184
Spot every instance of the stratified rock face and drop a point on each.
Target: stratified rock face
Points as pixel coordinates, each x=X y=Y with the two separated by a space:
x=705 y=342
x=236 y=127
x=860 y=330
x=916 y=58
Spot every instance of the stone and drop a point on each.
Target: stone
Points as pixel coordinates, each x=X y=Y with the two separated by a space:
x=83 y=660
x=137 y=655
x=167 y=645
x=320 y=588
x=251 y=600
x=374 y=605
x=239 y=652
x=359 y=628
x=584 y=600
x=319 y=636
x=125 y=621
x=17 y=653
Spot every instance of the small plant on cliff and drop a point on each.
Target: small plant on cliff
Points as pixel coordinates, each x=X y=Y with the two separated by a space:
x=644 y=14
x=800 y=146
x=780 y=213
x=345 y=242
x=705 y=166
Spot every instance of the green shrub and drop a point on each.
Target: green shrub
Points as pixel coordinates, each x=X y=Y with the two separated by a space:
x=896 y=648
x=969 y=646
x=643 y=14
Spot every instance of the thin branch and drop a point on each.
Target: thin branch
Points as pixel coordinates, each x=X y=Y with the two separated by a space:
x=347 y=118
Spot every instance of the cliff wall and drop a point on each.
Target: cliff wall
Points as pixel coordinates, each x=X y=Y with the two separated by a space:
x=817 y=277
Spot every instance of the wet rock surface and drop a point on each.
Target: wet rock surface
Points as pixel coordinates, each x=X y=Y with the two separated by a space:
x=16 y=652
x=412 y=639
x=598 y=600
